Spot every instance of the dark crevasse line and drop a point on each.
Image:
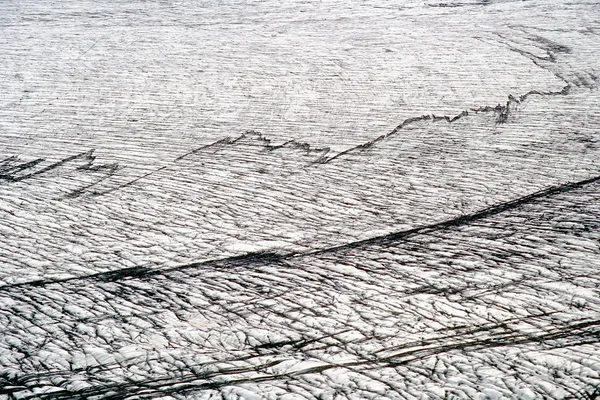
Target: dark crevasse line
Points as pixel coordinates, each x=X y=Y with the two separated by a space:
x=7 y=172
x=260 y=258
x=11 y=167
x=219 y=142
x=265 y=143
x=503 y=112
x=8 y=167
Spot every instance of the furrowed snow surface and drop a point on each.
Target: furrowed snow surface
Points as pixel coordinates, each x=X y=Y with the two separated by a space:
x=300 y=200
